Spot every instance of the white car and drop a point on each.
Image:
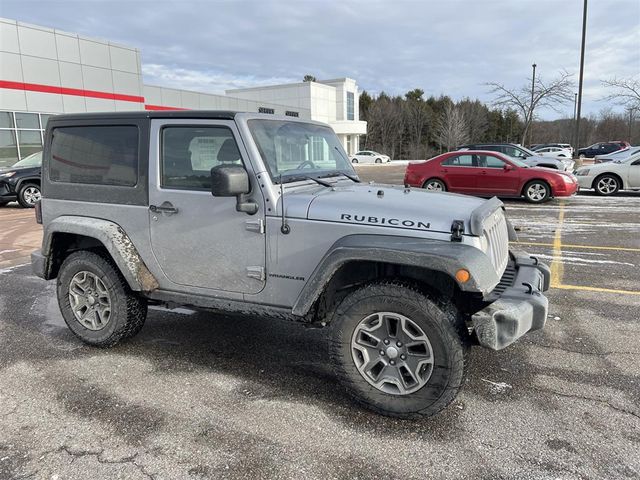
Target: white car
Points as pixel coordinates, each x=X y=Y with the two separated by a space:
x=554 y=152
x=369 y=156
x=608 y=178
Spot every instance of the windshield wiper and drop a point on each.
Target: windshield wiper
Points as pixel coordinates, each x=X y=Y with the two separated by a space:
x=297 y=178
x=348 y=175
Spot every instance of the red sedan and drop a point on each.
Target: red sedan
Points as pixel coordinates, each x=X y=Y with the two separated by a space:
x=485 y=173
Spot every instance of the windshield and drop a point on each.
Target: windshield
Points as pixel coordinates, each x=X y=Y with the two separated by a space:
x=33 y=160
x=518 y=162
x=529 y=152
x=296 y=150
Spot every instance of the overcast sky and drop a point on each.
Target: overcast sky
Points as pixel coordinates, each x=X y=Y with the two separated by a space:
x=447 y=46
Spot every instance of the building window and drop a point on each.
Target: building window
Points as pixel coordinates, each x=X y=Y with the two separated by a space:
x=349 y=145
x=350 y=106
x=289 y=113
x=21 y=134
x=266 y=110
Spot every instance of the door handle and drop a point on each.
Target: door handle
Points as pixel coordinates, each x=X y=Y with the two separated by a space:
x=165 y=208
x=483 y=172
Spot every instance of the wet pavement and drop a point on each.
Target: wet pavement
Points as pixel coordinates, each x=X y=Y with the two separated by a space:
x=197 y=395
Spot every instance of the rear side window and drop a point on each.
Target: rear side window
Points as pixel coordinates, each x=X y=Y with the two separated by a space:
x=461 y=161
x=99 y=155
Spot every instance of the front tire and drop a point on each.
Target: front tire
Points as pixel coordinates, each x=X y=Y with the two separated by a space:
x=96 y=303
x=537 y=191
x=398 y=352
x=354 y=160
x=29 y=195
x=606 y=185
x=378 y=160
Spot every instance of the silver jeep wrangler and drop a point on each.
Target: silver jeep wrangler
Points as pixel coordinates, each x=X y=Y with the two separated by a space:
x=264 y=215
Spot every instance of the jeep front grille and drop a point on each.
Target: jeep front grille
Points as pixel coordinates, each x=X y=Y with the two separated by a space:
x=497 y=236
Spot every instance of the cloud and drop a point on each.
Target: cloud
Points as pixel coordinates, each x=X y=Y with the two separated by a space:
x=452 y=47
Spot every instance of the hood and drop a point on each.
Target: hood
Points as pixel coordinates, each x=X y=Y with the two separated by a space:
x=383 y=205
x=17 y=169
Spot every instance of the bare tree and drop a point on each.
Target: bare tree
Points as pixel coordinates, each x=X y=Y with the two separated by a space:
x=452 y=128
x=385 y=124
x=549 y=95
x=626 y=92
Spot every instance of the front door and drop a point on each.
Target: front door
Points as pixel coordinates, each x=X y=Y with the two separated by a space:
x=493 y=179
x=634 y=174
x=200 y=240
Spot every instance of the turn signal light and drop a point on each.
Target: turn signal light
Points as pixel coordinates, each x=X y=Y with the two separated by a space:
x=463 y=275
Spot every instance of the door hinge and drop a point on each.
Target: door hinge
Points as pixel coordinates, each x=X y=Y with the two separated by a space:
x=255 y=225
x=256 y=272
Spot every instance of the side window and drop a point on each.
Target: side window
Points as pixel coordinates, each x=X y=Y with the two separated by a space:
x=491 y=162
x=461 y=161
x=189 y=153
x=100 y=155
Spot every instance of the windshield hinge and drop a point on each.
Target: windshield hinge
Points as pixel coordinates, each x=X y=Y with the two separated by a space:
x=255 y=225
x=457 y=230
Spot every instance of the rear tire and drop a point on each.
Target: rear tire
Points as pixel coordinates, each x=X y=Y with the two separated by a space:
x=606 y=185
x=537 y=191
x=426 y=352
x=355 y=160
x=95 y=286
x=378 y=160
x=434 y=185
x=29 y=195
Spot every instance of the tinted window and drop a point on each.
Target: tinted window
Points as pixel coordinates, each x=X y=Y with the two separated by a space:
x=461 y=161
x=103 y=155
x=512 y=152
x=189 y=154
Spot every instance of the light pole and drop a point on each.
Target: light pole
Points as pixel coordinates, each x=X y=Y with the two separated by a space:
x=533 y=84
x=584 y=35
x=575 y=104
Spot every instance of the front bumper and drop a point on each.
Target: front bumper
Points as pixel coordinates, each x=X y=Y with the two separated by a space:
x=518 y=305
x=7 y=193
x=585 y=181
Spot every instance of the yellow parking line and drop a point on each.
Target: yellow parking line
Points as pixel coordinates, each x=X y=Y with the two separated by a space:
x=557 y=267
x=586 y=247
x=596 y=289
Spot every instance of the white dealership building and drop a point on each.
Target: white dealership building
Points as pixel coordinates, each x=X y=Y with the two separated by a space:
x=45 y=71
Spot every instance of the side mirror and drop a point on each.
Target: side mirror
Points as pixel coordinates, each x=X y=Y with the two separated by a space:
x=229 y=181
x=233 y=181
x=508 y=167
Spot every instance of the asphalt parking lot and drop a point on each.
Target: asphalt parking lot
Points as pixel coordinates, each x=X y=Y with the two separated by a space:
x=197 y=395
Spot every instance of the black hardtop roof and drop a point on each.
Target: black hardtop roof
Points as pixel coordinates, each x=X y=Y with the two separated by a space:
x=144 y=114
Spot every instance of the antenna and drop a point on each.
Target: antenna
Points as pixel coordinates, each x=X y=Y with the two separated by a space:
x=284 y=228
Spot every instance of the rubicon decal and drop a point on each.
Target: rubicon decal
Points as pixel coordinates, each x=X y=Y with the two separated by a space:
x=393 y=222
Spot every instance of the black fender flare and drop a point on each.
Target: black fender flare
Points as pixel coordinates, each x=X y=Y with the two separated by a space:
x=436 y=255
x=24 y=180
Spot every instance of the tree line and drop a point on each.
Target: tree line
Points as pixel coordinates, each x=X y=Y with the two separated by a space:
x=413 y=127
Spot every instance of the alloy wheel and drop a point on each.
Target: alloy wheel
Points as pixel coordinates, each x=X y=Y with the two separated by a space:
x=31 y=195
x=434 y=186
x=90 y=300
x=607 y=185
x=392 y=353
x=537 y=192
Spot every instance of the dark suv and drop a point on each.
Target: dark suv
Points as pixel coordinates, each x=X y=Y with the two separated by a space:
x=21 y=181
x=532 y=159
x=602 y=148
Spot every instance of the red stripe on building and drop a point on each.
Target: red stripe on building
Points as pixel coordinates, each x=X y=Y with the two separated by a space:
x=36 y=87
x=160 y=107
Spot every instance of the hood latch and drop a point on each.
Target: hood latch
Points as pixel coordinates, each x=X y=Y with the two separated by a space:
x=457 y=230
